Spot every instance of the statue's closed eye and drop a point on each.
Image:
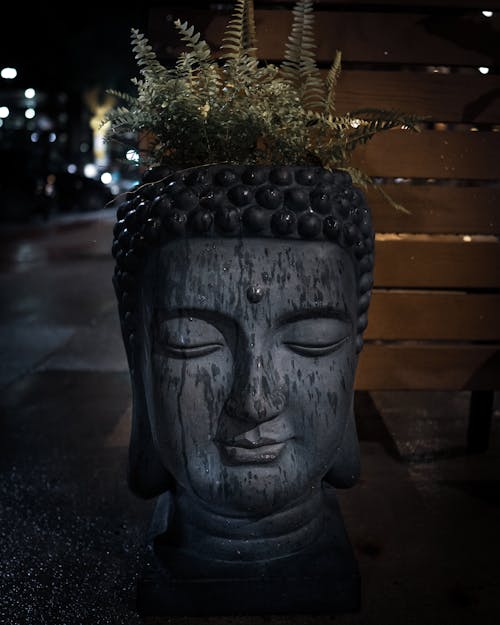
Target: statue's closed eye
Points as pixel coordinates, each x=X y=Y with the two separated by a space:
x=191 y=351
x=188 y=337
x=316 y=337
x=316 y=349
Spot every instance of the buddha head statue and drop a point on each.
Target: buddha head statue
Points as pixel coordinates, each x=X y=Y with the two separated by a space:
x=243 y=295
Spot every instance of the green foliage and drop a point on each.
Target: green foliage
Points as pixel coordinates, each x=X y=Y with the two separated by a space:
x=229 y=108
x=299 y=66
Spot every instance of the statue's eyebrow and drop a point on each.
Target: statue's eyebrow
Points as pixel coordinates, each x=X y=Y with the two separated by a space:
x=313 y=313
x=164 y=314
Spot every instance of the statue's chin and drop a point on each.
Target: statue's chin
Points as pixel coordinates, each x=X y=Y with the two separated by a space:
x=255 y=489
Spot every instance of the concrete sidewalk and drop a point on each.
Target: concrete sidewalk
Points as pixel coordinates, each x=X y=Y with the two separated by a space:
x=424 y=519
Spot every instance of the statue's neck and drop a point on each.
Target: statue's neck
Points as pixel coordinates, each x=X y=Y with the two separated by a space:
x=221 y=537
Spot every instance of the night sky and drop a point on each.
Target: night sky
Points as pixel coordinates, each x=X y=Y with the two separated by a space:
x=70 y=48
x=74 y=46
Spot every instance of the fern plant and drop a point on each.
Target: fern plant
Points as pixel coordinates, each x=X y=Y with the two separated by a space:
x=229 y=108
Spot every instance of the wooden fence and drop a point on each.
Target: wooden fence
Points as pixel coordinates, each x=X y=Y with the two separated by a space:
x=435 y=317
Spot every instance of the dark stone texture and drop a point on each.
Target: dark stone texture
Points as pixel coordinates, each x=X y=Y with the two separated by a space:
x=309 y=226
x=250 y=430
x=240 y=195
x=255 y=219
x=322 y=579
x=332 y=227
x=225 y=177
x=187 y=192
x=250 y=401
x=321 y=199
x=185 y=200
x=175 y=222
x=282 y=176
x=331 y=192
x=269 y=197
x=254 y=175
x=201 y=221
x=255 y=294
x=227 y=219
x=297 y=199
x=283 y=222
x=307 y=176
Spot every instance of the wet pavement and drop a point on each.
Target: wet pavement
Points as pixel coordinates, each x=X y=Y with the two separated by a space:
x=424 y=519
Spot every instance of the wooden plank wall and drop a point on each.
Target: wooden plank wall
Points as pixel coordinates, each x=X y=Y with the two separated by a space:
x=434 y=322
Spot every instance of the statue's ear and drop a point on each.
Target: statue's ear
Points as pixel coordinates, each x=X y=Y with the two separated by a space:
x=147 y=477
x=345 y=469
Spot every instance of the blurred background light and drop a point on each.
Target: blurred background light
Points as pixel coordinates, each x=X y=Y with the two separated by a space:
x=132 y=155
x=90 y=170
x=8 y=73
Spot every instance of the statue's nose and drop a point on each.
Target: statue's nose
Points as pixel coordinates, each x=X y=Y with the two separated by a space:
x=256 y=394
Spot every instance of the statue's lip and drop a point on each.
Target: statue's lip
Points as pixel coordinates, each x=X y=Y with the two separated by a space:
x=262 y=454
x=265 y=434
x=246 y=443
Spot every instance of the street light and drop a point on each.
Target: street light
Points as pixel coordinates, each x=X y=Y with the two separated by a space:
x=8 y=73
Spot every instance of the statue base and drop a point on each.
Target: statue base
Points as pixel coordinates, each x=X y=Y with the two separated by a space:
x=322 y=579
x=160 y=596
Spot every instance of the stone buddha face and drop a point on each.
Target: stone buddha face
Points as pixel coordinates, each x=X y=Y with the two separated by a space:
x=247 y=356
x=243 y=294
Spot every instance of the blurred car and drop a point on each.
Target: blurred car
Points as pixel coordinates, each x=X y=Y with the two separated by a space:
x=71 y=193
x=26 y=191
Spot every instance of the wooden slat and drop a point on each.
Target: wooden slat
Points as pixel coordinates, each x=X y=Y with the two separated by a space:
x=444 y=316
x=432 y=154
x=429 y=367
x=362 y=37
x=422 y=261
x=413 y=4
x=437 y=209
x=467 y=98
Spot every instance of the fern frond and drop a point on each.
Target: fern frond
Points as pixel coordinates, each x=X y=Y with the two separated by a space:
x=146 y=58
x=331 y=83
x=410 y=122
x=249 y=31
x=201 y=53
x=126 y=97
x=340 y=124
x=118 y=117
x=299 y=66
x=373 y=121
x=198 y=112
x=393 y=203
x=239 y=36
x=359 y=177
